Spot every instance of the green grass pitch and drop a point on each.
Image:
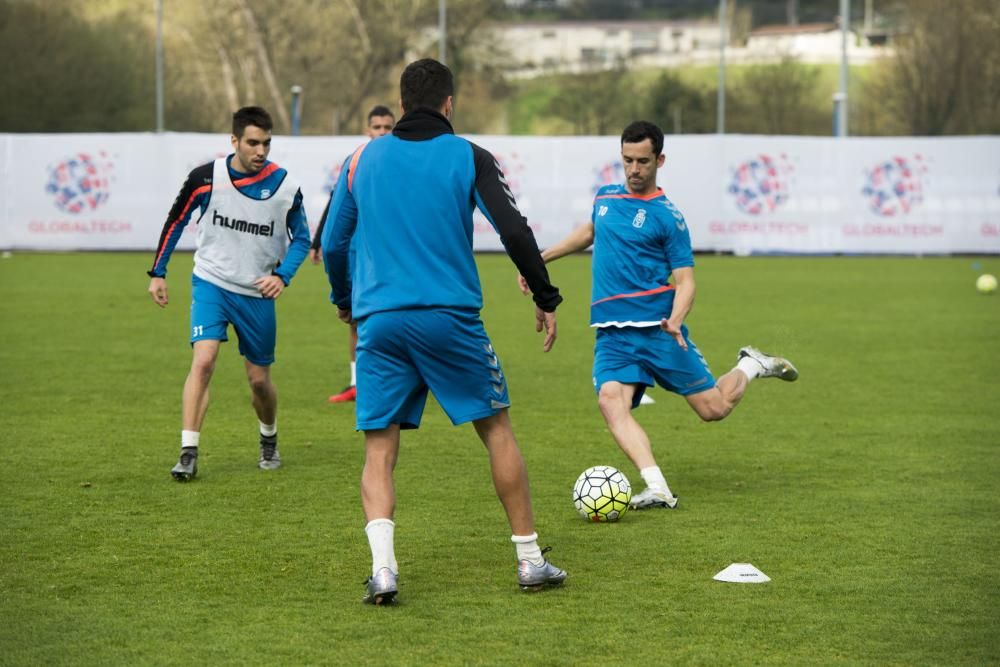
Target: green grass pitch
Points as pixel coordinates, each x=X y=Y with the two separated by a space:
x=867 y=490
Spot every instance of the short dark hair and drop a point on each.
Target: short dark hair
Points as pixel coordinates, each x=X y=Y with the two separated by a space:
x=256 y=116
x=380 y=110
x=425 y=83
x=641 y=130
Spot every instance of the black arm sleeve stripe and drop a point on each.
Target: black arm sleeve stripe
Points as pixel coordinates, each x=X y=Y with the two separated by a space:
x=322 y=221
x=515 y=234
x=199 y=177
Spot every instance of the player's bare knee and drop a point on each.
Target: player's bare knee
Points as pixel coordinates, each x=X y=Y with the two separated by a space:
x=712 y=412
x=260 y=386
x=611 y=396
x=610 y=404
x=380 y=460
x=202 y=367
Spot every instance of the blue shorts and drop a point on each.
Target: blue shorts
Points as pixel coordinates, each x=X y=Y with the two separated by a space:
x=213 y=309
x=402 y=354
x=648 y=355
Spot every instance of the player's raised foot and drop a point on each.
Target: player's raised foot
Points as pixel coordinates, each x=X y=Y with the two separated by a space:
x=650 y=497
x=381 y=588
x=774 y=367
x=350 y=393
x=270 y=457
x=187 y=465
x=533 y=577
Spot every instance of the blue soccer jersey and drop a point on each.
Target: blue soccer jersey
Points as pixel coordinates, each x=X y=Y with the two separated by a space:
x=406 y=201
x=638 y=241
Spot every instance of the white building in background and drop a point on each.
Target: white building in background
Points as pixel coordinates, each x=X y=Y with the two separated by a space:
x=808 y=42
x=572 y=46
x=534 y=48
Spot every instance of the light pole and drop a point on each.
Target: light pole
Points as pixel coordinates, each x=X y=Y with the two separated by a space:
x=442 y=30
x=159 y=65
x=720 y=116
x=840 y=99
x=296 y=109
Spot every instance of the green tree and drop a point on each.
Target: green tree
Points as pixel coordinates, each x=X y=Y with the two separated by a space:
x=597 y=102
x=77 y=65
x=62 y=73
x=944 y=77
x=777 y=99
x=346 y=56
x=679 y=107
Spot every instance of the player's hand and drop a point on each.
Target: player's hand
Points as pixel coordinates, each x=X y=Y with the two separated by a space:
x=523 y=284
x=675 y=331
x=314 y=255
x=158 y=290
x=270 y=287
x=345 y=315
x=546 y=321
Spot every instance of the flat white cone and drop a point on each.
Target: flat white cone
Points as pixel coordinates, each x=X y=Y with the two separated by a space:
x=742 y=573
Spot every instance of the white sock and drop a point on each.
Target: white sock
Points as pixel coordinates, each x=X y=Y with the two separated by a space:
x=655 y=479
x=268 y=429
x=190 y=438
x=354 y=373
x=380 y=539
x=527 y=548
x=750 y=367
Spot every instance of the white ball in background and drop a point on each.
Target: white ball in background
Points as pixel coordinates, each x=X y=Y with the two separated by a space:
x=986 y=283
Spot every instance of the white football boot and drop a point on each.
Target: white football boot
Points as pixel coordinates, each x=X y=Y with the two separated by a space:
x=187 y=465
x=776 y=367
x=381 y=588
x=270 y=457
x=533 y=577
x=651 y=497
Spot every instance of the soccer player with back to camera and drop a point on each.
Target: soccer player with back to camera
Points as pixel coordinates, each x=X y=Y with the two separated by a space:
x=252 y=237
x=407 y=200
x=380 y=123
x=641 y=242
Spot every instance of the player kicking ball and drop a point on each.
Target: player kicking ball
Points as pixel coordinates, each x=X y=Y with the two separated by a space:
x=643 y=289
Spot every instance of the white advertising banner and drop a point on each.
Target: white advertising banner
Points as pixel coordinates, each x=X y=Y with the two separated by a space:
x=740 y=194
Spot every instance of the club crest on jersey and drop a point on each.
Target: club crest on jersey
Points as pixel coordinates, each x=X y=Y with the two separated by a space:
x=639 y=219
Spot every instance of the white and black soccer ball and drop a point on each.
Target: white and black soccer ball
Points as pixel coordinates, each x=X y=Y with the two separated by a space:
x=602 y=493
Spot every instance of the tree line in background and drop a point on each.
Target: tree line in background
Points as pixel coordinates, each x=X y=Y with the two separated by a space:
x=84 y=66
x=72 y=65
x=762 y=12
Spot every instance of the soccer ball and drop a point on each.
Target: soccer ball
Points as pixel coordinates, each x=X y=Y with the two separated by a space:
x=602 y=493
x=986 y=283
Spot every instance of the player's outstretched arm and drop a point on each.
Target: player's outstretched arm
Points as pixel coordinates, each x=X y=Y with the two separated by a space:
x=158 y=290
x=579 y=239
